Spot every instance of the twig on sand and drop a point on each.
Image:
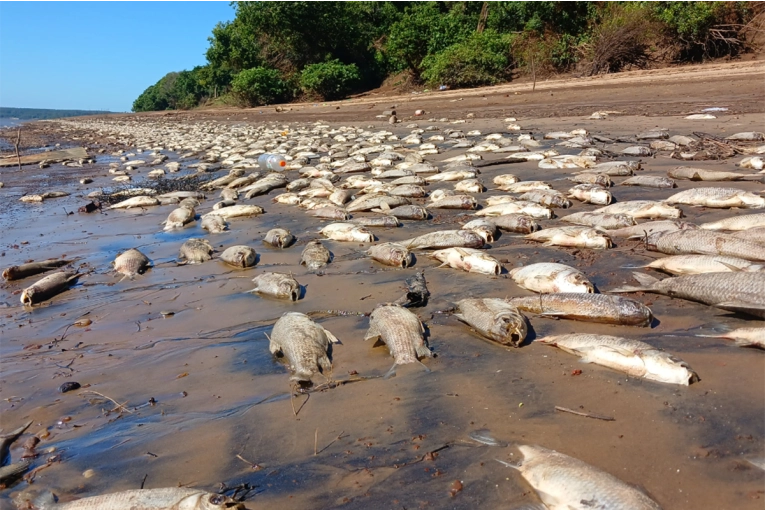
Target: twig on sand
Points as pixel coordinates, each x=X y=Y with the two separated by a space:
x=292 y=402
x=338 y=438
x=586 y=415
x=144 y=479
x=255 y=466
x=120 y=407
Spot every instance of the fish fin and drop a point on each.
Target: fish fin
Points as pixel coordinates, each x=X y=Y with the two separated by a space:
x=742 y=307
x=731 y=267
x=445 y=264
x=424 y=366
x=384 y=206
x=391 y=373
x=647 y=283
x=423 y=352
x=548 y=243
x=459 y=317
x=633 y=267
x=508 y=464
x=250 y=291
x=332 y=338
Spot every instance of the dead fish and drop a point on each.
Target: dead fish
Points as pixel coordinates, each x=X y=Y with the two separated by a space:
x=341 y=196
x=279 y=237
x=564 y=483
x=468 y=259
x=304 y=344
x=495 y=319
x=587 y=307
x=417 y=293
x=547 y=197
x=48 y=286
x=263 y=186
x=391 y=254
x=154 y=499
x=33 y=268
x=505 y=179
x=195 y=251
x=574 y=236
x=229 y=194
x=704 y=242
x=740 y=292
x=523 y=186
x=347 y=232
x=11 y=472
x=718 y=197
x=287 y=199
x=189 y=203
x=315 y=255
x=298 y=184
x=743 y=337
x=131 y=263
x=699 y=264
x=445 y=239
x=632 y=357
x=401 y=331
x=179 y=218
x=377 y=221
x=738 y=222
x=239 y=256
x=369 y=202
x=649 y=181
x=755 y=235
x=591 y=194
x=700 y=174
x=44 y=196
x=278 y=285
x=236 y=211
x=600 y=220
x=747 y=136
x=532 y=209
x=409 y=179
x=548 y=277
x=455 y=202
x=590 y=178
x=452 y=175
x=484 y=228
x=517 y=223
x=330 y=213
x=408 y=190
x=469 y=186
x=642 y=209
x=617 y=168
x=213 y=223
x=651 y=227
x=139 y=201
x=404 y=212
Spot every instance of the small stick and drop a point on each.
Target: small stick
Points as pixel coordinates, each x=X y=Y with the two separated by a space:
x=586 y=415
x=315 y=442
x=121 y=407
x=339 y=436
x=144 y=479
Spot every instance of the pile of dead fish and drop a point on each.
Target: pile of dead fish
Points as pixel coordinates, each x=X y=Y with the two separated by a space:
x=364 y=181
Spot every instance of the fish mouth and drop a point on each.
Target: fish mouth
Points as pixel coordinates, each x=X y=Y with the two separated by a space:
x=26 y=298
x=295 y=294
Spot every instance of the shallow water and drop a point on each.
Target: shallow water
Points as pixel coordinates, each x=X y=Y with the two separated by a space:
x=223 y=410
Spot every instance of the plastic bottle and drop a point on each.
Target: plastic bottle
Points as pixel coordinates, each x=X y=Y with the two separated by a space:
x=273 y=162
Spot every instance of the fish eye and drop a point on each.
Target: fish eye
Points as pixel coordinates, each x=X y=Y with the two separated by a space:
x=217 y=499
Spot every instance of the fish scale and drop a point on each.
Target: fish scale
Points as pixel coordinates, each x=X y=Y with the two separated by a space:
x=704 y=242
x=154 y=499
x=496 y=319
x=131 y=263
x=587 y=307
x=401 y=331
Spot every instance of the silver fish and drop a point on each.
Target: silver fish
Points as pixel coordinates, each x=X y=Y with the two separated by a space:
x=239 y=256
x=600 y=220
x=591 y=194
x=140 y=201
x=237 y=211
x=304 y=344
x=566 y=483
x=587 y=307
x=574 y=236
x=455 y=202
x=214 y=224
x=179 y=218
x=279 y=237
x=517 y=223
x=33 y=268
x=131 y=263
x=632 y=357
x=154 y=499
x=48 y=286
x=651 y=227
x=495 y=319
x=590 y=178
x=700 y=174
x=649 y=181
x=315 y=255
x=369 y=202
x=391 y=254
x=737 y=292
x=445 y=239
x=195 y=251
x=640 y=209
x=548 y=277
x=377 y=221
x=704 y=242
x=738 y=222
x=278 y=285
x=468 y=259
x=699 y=264
x=330 y=212
x=718 y=197
x=401 y=331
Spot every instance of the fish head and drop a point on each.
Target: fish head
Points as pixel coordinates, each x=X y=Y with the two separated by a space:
x=27 y=297
x=9 y=271
x=404 y=258
x=511 y=328
x=217 y=502
x=669 y=369
x=290 y=288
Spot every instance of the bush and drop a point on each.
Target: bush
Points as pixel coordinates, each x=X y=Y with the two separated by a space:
x=329 y=80
x=259 y=86
x=620 y=41
x=482 y=59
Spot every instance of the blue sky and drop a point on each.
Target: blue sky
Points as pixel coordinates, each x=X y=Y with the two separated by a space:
x=98 y=55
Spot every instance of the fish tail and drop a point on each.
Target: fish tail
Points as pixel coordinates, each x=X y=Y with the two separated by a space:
x=647 y=283
x=424 y=366
x=508 y=464
x=391 y=373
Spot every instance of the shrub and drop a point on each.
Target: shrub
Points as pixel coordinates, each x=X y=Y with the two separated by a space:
x=481 y=59
x=329 y=80
x=259 y=86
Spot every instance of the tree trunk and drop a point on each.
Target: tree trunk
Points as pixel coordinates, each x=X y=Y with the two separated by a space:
x=482 y=17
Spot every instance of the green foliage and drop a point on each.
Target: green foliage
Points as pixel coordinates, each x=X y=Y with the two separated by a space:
x=175 y=91
x=329 y=80
x=259 y=86
x=481 y=59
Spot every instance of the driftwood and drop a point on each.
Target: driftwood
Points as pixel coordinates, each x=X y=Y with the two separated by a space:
x=32 y=159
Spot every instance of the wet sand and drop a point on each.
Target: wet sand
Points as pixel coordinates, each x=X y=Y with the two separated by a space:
x=223 y=411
